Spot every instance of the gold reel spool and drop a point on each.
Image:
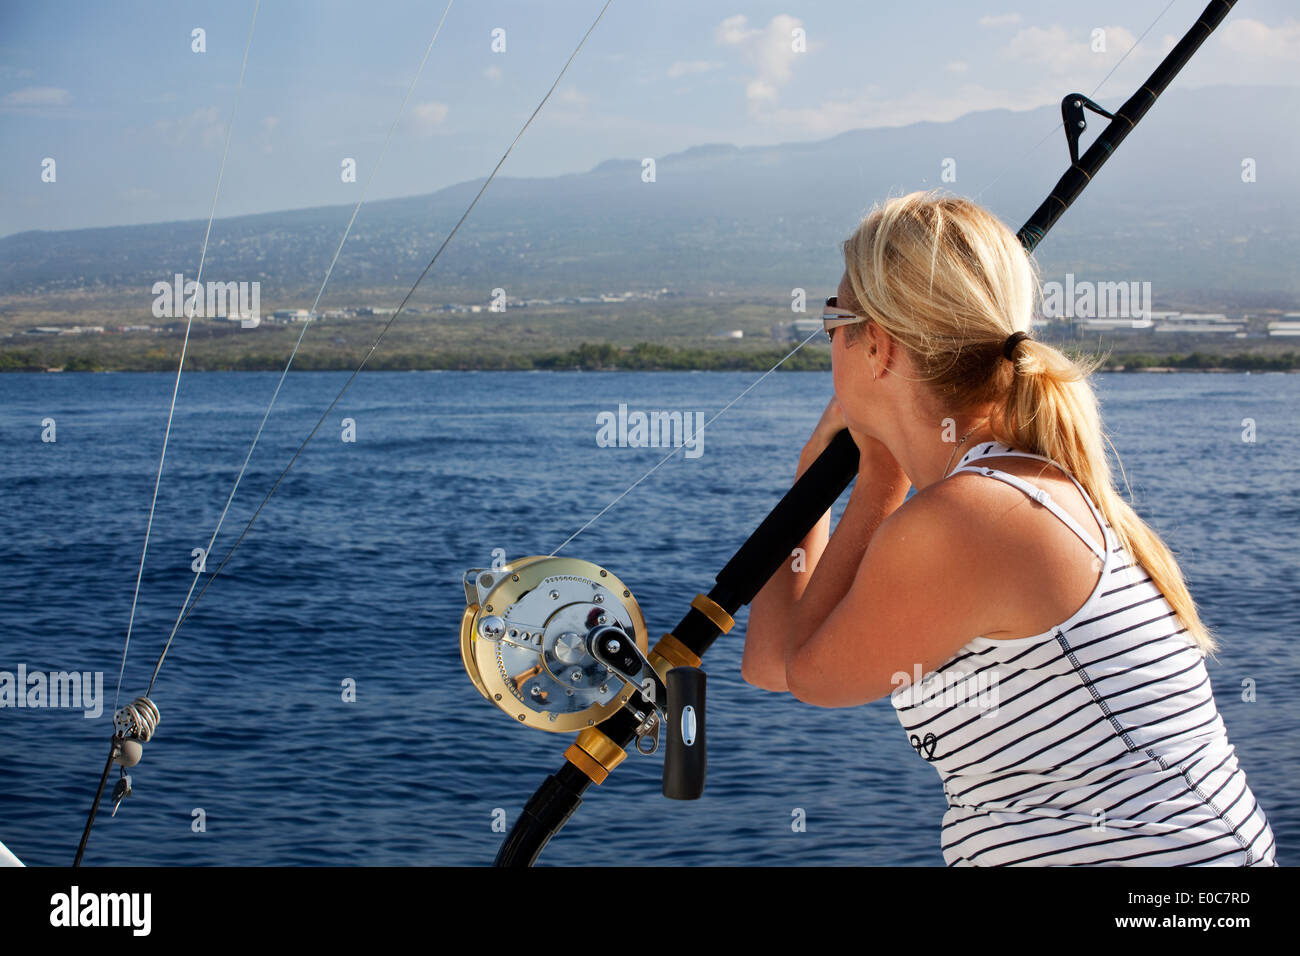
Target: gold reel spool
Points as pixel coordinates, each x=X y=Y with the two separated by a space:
x=523 y=640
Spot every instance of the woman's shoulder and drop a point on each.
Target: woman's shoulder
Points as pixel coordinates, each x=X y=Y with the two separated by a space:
x=947 y=522
x=941 y=536
x=975 y=513
x=980 y=503
x=1035 y=469
x=944 y=523
x=1029 y=567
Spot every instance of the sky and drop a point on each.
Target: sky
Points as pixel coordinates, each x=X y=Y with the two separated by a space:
x=135 y=118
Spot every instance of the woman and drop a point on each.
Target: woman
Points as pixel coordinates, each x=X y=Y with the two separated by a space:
x=1079 y=727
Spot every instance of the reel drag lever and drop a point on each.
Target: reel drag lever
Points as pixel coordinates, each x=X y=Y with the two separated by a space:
x=610 y=645
x=677 y=703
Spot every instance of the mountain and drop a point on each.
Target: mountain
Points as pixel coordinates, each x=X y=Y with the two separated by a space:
x=1171 y=208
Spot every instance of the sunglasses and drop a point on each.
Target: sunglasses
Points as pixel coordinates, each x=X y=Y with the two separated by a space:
x=833 y=317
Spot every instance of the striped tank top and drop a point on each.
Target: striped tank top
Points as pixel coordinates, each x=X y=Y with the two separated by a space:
x=1097 y=742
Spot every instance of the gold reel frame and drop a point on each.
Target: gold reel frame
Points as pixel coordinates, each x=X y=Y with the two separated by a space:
x=512 y=581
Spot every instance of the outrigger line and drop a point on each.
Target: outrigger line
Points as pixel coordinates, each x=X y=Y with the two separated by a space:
x=186 y=607
x=560 y=644
x=135 y=723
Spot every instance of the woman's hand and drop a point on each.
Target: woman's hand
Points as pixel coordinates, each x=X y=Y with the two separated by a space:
x=831 y=424
x=876 y=462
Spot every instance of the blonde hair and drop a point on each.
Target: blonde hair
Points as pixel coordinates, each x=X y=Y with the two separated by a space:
x=949 y=282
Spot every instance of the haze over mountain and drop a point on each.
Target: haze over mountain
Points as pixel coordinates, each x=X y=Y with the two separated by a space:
x=1171 y=208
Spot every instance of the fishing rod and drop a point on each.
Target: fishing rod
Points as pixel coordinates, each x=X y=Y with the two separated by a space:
x=135 y=723
x=560 y=643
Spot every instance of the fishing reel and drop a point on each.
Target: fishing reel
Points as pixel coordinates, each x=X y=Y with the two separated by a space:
x=560 y=644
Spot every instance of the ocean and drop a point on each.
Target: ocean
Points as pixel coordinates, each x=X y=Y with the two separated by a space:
x=352 y=577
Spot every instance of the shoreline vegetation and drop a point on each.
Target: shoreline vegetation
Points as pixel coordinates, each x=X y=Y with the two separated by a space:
x=587 y=357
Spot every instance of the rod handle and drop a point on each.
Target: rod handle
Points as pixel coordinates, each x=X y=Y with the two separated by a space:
x=686 y=761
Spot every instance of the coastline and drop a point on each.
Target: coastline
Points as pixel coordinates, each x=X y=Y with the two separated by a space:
x=594 y=358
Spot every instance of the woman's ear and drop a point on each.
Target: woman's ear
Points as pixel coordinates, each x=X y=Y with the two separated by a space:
x=878 y=345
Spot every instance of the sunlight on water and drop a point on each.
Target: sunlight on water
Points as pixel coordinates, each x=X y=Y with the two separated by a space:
x=353 y=571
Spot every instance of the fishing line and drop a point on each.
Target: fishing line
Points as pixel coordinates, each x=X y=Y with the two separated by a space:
x=662 y=460
x=1035 y=147
x=203 y=254
x=114 y=749
x=487 y=628
x=383 y=332
x=276 y=393
x=805 y=341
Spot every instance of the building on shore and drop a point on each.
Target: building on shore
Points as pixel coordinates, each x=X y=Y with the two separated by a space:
x=1201 y=324
x=800 y=329
x=1116 y=325
x=1288 y=325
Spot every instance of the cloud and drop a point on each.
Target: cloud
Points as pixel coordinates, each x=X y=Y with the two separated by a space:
x=494 y=74
x=770 y=50
x=1062 y=52
x=876 y=107
x=569 y=105
x=571 y=95
x=1248 y=51
x=204 y=127
x=428 y=117
x=37 y=96
x=1000 y=20
x=1253 y=39
x=734 y=31
x=685 y=67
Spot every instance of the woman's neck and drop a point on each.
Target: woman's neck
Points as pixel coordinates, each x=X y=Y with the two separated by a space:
x=927 y=455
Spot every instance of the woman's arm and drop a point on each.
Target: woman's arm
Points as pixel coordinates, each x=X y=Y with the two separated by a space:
x=763 y=661
x=800 y=600
x=919 y=595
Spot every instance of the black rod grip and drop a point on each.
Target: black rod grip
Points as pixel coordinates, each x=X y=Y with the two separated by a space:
x=686 y=761
x=788 y=523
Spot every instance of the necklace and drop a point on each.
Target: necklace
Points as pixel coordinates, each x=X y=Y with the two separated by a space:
x=954 y=450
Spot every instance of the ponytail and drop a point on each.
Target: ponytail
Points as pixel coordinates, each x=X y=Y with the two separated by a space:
x=949 y=282
x=1051 y=410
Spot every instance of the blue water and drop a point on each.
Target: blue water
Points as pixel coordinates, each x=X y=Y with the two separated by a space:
x=353 y=571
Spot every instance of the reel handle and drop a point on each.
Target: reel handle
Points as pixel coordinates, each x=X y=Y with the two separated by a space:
x=686 y=760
